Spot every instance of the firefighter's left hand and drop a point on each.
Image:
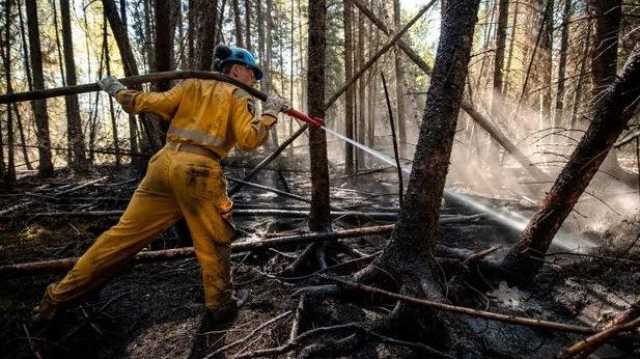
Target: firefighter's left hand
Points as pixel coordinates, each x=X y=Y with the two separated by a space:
x=111 y=85
x=274 y=105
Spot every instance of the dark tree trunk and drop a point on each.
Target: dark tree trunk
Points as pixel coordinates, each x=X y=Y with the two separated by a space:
x=611 y=114
x=260 y=29
x=206 y=17
x=114 y=124
x=58 y=45
x=319 y=219
x=237 y=23
x=409 y=257
x=562 y=66
x=119 y=29
x=349 y=98
x=360 y=112
x=247 y=31
x=25 y=59
x=136 y=161
x=604 y=61
x=512 y=42
x=501 y=40
x=219 y=36
x=402 y=127
x=267 y=82
x=267 y=47
x=10 y=175
x=74 y=124
x=148 y=34
x=45 y=166
x=163 y=41
x=546 y=54
x=123 y=11
x=577 y=99
x=604 y=53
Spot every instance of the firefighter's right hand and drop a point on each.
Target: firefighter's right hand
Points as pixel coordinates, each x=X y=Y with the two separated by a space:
x=111 y=85
x=274 y=105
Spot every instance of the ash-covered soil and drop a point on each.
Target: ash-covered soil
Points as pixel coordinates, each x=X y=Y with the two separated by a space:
x=155 y=310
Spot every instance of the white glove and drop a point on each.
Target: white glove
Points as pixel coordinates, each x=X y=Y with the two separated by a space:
x=274 y=105
x=111 y=85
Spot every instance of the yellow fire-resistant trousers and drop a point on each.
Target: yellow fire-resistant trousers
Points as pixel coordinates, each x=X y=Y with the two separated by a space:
x=177 y=184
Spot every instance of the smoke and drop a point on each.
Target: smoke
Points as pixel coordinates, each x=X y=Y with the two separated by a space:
x=480 y=166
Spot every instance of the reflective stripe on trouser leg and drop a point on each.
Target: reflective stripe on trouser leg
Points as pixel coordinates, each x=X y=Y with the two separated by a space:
x=152 y=210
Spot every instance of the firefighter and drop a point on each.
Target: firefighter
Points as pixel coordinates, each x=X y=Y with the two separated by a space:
x=184 y=180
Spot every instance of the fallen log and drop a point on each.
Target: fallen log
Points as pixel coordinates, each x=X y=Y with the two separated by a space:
x=58 y=265
x=270 y=189
x=583 y=348
x=538 y=323
x=26 y=204
x=253 y=212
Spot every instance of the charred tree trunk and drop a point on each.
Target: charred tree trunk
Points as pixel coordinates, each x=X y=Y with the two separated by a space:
x=319 y=219
x=372 y=83
x=148 y=35
x=512 y=42
x=349 y=98
x=25 y=55
x=136 y=161
x=119 y=29
x=604 y=61
x=45 y=166
x=577 y=99
x=604 y=53
x=501 y=40
x=547 y=57
x=360 y=112
x=58 y=45
x=10 y=175
x=409 y=257
x=163 y=43
x=219 y=36
x=402 y=129
x=268 y=64
x=74 y=123
x=611 y=113
x=260 y=29
x=247 y=31
x=206 y=16
x=292 y=68
x=107 y=60
x=562 y=66
x=237 y=23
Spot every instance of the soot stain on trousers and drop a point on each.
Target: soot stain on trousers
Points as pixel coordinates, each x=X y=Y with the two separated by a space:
x=192 y=181
x=194 y=173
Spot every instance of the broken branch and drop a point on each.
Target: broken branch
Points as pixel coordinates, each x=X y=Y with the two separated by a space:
x=58 y=265
x=588 y=345
x=129 y=81
x=467 y=311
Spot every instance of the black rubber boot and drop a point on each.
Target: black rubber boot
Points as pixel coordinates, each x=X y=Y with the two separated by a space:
x=43 y=315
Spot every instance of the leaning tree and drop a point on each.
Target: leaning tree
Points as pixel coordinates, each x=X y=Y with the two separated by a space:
x=611 y=113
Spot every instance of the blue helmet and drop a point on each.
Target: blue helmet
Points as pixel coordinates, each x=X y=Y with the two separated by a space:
x=226 y=55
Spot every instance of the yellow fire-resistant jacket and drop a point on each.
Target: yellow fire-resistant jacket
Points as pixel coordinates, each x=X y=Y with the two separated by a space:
x=210 y=113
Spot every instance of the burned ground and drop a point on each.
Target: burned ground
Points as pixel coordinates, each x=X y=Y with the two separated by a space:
x=155 y=309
